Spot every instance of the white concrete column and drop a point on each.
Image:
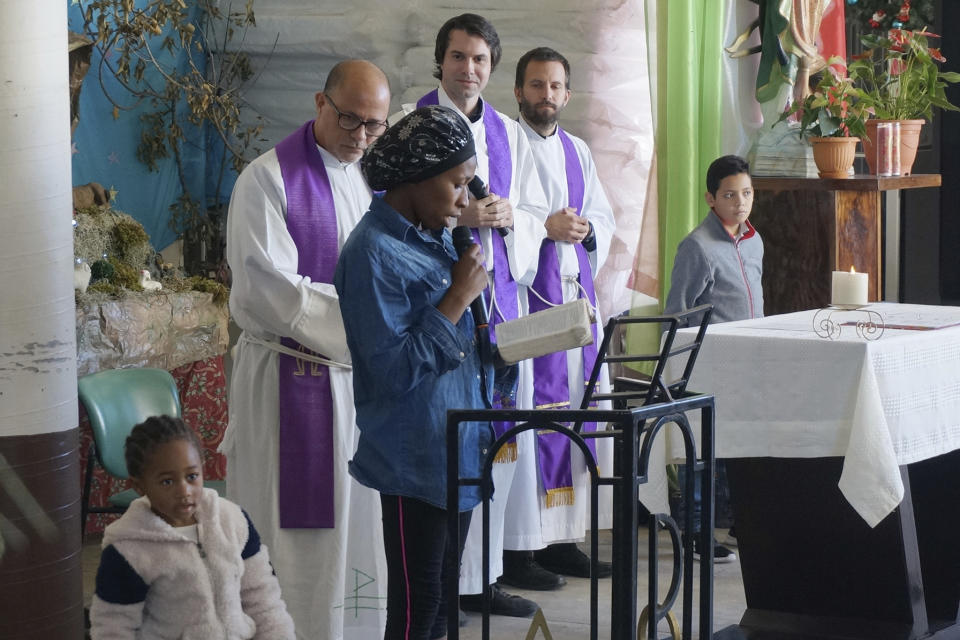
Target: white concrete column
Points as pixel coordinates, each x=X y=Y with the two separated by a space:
x=40 y=579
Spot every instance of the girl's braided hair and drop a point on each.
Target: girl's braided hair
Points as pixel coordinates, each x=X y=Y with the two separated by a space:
x=151 y=433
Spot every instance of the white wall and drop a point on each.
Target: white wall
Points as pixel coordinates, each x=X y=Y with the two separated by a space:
x=603 y=39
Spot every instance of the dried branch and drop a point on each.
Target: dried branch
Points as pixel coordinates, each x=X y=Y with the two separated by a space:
x=134 y=43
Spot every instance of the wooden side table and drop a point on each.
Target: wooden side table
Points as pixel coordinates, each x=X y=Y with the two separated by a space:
x=812 y=226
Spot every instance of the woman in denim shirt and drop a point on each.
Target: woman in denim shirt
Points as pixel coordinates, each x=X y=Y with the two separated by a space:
x=404 y=295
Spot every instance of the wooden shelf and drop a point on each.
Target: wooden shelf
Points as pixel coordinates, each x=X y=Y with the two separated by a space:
x=859 y=182
x=812 y=226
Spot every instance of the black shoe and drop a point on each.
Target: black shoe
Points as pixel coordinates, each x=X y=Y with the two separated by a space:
x=567 y=559
x=721 y=554
x=501 y=604
x=522 y=571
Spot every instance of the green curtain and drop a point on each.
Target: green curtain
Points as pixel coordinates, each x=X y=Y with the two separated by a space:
x=688 y=93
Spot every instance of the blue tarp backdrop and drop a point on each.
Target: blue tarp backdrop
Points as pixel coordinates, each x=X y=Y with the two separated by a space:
x=105 y=149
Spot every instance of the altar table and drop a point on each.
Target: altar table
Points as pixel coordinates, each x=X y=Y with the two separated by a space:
x=843 y=462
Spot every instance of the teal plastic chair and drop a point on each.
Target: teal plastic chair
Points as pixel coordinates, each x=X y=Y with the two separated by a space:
x=116 y=401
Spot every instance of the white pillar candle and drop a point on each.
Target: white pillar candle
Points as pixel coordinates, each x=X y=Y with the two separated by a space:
x=849 y=289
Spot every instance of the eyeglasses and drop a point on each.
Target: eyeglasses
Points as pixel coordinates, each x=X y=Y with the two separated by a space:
x=350 y=122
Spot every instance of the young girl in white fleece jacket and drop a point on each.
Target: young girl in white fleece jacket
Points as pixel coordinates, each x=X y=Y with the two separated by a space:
x=182 y=562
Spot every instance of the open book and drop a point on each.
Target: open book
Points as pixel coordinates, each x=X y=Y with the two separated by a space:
x=559 y=328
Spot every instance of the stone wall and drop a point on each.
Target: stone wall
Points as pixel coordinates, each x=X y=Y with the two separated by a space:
x=603 y=39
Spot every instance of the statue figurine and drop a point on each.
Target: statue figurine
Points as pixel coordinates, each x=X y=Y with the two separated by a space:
x=147 y=282
x=81 y=275
x=788 y=56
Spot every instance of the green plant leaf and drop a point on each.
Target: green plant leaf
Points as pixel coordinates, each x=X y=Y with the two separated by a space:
x=828 y=124
x=914 y=90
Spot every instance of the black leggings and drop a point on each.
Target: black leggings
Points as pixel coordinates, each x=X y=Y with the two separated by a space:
x=415 y=540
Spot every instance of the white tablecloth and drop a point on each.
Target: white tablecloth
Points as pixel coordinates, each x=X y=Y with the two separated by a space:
x=782 y=391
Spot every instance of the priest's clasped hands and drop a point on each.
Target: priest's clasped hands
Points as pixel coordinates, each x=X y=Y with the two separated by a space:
x=566 y=226
x=492 y=211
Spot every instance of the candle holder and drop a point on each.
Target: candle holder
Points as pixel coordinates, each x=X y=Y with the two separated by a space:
x=869 y=323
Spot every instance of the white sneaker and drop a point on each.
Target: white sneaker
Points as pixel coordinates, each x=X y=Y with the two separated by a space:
x=721 y=554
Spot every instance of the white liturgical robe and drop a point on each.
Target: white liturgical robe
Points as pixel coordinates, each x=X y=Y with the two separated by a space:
x=332 y=580
x=529 y=523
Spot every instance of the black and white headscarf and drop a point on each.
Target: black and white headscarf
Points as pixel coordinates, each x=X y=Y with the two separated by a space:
x=424 y=144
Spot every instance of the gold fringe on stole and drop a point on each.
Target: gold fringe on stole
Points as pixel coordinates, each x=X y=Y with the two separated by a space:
x=507 y=453
x=559 y=497
x=554 y=405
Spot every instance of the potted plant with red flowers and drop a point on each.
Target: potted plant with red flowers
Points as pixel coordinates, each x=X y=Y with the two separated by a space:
x=900 y=81
x=832 y=117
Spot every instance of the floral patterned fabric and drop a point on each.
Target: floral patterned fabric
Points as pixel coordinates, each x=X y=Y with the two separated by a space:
x=202 y=386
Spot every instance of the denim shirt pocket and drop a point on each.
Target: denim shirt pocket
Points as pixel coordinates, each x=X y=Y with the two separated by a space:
x=430 y=274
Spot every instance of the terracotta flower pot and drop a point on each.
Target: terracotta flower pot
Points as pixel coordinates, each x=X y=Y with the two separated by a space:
x=909 y=140
x=834 y=156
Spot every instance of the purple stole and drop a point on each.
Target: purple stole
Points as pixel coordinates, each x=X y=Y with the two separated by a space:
x=306 y=462
x=500 y=171
x=551 y=386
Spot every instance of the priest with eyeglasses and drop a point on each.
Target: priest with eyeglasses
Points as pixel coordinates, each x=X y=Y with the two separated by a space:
x=292 y=426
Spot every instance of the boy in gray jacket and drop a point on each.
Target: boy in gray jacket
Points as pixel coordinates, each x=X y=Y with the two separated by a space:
x=720 y=263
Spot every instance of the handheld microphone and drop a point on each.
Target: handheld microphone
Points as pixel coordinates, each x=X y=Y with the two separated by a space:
x=478 y=188
x=479 y=191
x=462 y=241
